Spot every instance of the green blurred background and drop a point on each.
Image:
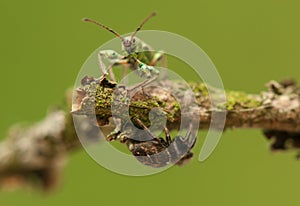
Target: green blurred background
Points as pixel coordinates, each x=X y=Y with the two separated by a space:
x=44 y=44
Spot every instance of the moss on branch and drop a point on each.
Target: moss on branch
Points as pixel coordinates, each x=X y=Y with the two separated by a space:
x=37 y=154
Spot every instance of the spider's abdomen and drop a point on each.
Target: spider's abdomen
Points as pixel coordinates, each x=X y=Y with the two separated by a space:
x=157 y=153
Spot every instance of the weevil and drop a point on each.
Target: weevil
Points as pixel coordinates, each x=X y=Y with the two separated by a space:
x=137 y=55
x=155 y=151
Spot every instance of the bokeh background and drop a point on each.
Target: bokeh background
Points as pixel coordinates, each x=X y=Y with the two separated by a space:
x=44 y=43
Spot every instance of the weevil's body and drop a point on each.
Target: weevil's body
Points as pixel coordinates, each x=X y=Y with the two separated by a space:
x=137 y=55
x=138 y=49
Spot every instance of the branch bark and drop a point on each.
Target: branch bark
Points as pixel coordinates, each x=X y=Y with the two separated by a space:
x=36 y=155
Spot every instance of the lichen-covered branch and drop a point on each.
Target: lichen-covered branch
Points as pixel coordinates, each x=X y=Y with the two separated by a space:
x=278 y=108
x=37 y=154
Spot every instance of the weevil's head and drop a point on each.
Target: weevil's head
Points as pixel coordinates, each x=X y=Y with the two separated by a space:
x=129 y=44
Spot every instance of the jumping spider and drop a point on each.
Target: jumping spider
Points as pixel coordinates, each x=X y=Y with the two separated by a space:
x=155 y=151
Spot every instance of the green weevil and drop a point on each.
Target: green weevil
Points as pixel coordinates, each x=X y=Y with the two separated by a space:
x=137 y=55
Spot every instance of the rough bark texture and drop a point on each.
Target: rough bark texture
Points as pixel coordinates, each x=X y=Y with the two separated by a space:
x=36 y=155
x=275 y=109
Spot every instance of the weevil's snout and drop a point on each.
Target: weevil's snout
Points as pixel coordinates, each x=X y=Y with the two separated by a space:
x=129 y=45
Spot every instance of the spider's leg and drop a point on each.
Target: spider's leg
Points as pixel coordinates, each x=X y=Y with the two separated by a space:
x=114 y=134
x=141 y=124
x=168 y=137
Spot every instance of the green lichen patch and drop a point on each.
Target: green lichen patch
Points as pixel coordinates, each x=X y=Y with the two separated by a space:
x=238 y=100
x=199 y=89
x=140 y=109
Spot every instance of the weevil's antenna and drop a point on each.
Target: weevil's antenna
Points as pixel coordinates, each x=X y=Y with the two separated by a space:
x=103 y=26
x=141 y=25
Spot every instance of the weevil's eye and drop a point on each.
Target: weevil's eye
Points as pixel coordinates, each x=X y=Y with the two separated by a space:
x=133 y=40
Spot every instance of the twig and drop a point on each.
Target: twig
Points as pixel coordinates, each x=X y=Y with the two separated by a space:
x=36 y=155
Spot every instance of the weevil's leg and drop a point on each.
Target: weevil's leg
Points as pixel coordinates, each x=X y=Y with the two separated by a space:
x=164 y=65
x=144 y=46
x=147 y=71
x=114 y=134
x=125 y=63
x=113 y=57
x=143 y=84
x=164 y=60
x=160 y=56
x=168 y=137
x=125 y=71
x=110 y=73
x=102 y=66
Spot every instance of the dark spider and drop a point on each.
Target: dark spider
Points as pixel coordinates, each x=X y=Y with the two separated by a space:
x=155 y=151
